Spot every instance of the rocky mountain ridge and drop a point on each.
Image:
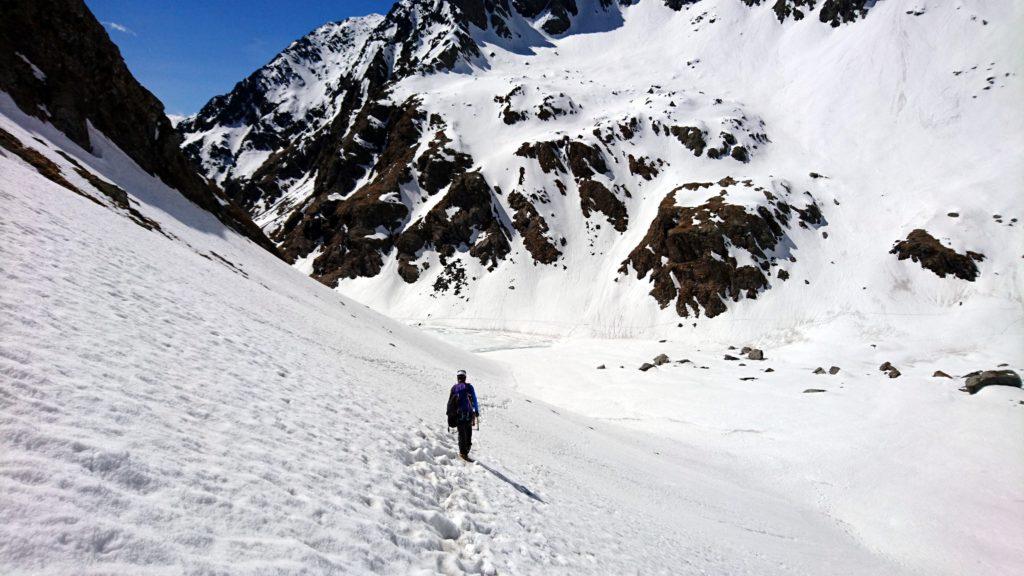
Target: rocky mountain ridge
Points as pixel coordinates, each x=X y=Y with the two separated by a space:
x=68 y=73
x=449 y=150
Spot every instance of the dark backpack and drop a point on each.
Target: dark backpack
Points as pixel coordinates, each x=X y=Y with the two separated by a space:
x=460 y=407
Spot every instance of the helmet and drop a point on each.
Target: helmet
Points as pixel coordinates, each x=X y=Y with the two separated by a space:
x=461 y=373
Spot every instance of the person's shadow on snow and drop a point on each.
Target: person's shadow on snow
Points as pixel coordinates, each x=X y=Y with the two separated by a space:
x=513 y=483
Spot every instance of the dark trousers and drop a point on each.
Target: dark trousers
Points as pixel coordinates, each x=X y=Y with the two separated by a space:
x=465 y=428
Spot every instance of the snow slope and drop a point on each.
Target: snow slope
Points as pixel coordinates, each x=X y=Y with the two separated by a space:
x=183 y=402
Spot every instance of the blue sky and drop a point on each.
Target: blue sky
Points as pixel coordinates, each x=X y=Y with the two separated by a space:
x=187 y=51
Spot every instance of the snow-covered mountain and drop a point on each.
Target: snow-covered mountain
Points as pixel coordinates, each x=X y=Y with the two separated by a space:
x=621 y=168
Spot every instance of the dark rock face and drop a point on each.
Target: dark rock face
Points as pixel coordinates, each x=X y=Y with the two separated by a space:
x=837 y=12
x=561 y=13
x=438 y=165
x=584 y=161
x=348 y=230
x=595 y=197
x=922 y=247
x=508 y=114
x=692 y=138
x=834 y=12
x=677 y=5
x=978 y=380
x=792 y=9
x=474 y=226
x=686 y=251
x=356 y=229
x=547 y=154
x=642 y=167
x=86 y=80
x=533 y=228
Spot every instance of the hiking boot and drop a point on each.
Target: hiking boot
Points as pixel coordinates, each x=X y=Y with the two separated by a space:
x=466 y=457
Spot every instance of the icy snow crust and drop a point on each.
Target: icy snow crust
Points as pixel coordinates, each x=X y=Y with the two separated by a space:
x=897 y=111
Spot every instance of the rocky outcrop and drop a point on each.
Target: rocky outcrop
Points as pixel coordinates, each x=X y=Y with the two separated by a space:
x=560 y=13
x=58 y=64
x=583 y=162
x=691 y=137
x=925 y=249
x=834 y=12
x=596 y=197
x=975 y=381
x=687 y=251
x=678 y=4
x=466 y=219
x=547 y=155
x=837 y=12
x=533 y=228
x=890 y=370
x=439 y=163
x=354 y=233
x=643 y=167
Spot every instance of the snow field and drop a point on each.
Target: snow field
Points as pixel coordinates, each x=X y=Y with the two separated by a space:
x=164 y=412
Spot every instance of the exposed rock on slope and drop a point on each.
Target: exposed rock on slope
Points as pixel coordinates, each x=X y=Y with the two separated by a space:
x=58 y=65
x=975 y=381
x=834 y=12
x=691 y=254
x=922 y=247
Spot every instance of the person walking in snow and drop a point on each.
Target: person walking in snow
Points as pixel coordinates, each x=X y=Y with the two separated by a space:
x=463 y=411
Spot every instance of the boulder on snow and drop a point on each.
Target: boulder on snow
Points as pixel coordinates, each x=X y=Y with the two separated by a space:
x=755 y=354
x=925 y=249
x=729 y=357
x=661 y=359
x=813 y=390
x=601 y=367
x=646 y=366
x=940 y=374
x=889 y=369
x=978 y=380
x=833 y=370
x=745 y=349
x=819 y=370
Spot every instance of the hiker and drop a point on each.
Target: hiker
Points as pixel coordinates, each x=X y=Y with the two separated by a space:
x=463 y=412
